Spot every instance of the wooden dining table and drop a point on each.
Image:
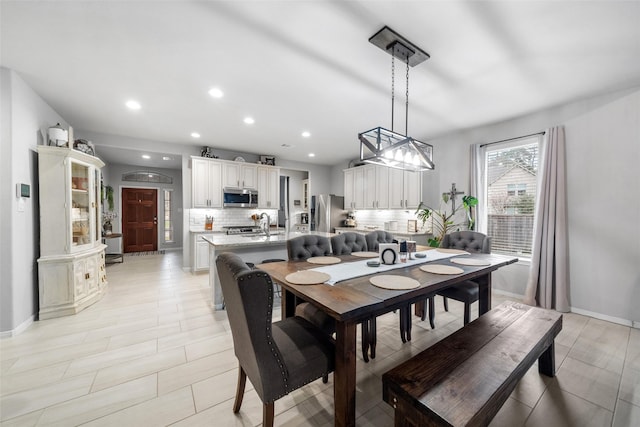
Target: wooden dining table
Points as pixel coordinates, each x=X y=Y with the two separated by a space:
x=355 y=300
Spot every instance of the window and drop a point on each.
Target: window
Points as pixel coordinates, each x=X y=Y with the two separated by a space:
x=168 y=221
x=511 y=188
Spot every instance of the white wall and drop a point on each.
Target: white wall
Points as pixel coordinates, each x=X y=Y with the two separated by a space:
x=603 y=154
x=25 y=120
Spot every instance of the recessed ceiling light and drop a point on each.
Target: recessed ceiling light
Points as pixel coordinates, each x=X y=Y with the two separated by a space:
x=216 y=93
x=150 y=175
x=133 y=104
x=306 y=134
x=166 y=158
x=195 y=135
x=249 y=120
x=312 y=155
x=146 y=156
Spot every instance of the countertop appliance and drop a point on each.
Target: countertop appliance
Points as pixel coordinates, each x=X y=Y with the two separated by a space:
x=329 y=212
x=242 y=229
x=304 y=218
x=239 y=198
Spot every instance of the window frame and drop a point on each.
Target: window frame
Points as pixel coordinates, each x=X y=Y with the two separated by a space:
x=166 y=211
x=491 y=149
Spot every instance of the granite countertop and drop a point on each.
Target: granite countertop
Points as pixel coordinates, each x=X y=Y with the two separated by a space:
x=276 y=238
x=368 y=230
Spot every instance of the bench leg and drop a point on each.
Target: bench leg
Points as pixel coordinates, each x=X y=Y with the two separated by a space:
x=547 y=361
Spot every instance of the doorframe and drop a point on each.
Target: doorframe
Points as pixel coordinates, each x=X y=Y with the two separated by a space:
x=158 y=205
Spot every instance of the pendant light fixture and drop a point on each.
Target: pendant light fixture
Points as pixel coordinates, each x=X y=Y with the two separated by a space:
x=386 y=147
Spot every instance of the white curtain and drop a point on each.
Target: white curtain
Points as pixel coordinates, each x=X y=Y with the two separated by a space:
x=477 y=186
x=548 y=284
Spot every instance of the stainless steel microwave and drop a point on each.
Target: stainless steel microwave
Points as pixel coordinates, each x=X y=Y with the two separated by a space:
x=239 y=198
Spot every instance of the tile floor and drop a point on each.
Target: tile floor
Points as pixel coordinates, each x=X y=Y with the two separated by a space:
x=152 y=352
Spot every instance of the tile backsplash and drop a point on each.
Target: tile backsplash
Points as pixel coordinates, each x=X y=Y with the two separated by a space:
x=377 y=218
x=227 y=217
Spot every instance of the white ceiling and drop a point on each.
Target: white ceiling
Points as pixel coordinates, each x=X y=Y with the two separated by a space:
x=308 y=65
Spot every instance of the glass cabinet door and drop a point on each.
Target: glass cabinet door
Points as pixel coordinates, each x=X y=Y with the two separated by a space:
x=81 y=209
x=97 y=209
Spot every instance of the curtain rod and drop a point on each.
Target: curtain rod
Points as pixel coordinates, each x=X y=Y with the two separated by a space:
x=512 y=139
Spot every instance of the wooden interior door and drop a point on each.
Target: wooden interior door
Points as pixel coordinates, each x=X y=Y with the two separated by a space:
x=139 y=219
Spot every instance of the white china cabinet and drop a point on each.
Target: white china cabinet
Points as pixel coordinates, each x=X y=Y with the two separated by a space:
x=71 y=267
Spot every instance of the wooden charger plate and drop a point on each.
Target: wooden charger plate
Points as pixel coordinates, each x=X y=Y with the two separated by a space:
x=452 y=251
x=441 y=269
x=387 y=281
x=307 y=277
x=366 y=254
x=324 y=260
x=470 y=261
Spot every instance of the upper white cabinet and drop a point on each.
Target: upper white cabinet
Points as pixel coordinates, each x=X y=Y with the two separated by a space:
x=354 y=182
x=405 y=189
x=71 y=267
x=268 y=187
x=380 y=187
x=206 y=188
x=239 y=175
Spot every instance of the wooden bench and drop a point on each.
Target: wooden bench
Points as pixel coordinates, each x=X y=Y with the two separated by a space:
x=465 y=379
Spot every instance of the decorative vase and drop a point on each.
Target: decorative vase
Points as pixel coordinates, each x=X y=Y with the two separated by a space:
x=108 y=228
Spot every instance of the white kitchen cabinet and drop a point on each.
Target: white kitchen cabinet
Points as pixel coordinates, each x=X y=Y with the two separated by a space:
x=367 y=187
x=405 y=189
x=201 y=252
x=376 y=187
x=71 y=267
x=354 y=188
x=268 y=187
x=206 y=188
x=380 y=187
x=239 y=175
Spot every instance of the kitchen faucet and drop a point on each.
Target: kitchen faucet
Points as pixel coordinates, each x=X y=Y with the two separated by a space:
x=267 y=225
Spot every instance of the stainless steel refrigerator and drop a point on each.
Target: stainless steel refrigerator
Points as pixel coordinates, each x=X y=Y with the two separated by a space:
x=329 y=212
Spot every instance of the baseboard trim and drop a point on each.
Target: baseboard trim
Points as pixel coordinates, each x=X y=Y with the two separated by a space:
x=600 y=316
x=508 y=294
x=18 y=330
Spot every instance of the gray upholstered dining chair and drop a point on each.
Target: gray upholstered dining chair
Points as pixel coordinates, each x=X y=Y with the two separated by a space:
x=301 y=248
x=346 y=243
x=308 y=246
x=278 y=357
x=376 y=237
x=466 y=292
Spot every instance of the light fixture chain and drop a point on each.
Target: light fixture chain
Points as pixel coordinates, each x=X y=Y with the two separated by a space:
x=406 y=115
x=393 y=88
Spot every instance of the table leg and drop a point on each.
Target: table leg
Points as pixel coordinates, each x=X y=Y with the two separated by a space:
x=288 y=303
x=484 y=297
x=344 y=389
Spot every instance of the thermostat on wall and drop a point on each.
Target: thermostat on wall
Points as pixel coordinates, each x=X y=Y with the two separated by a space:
x=23 y=190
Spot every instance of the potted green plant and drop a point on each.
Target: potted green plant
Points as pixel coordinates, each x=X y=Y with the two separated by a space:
x=443 y=221
x=108 y=193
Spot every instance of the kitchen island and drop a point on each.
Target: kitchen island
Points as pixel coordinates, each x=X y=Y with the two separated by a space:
x=251 y=248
